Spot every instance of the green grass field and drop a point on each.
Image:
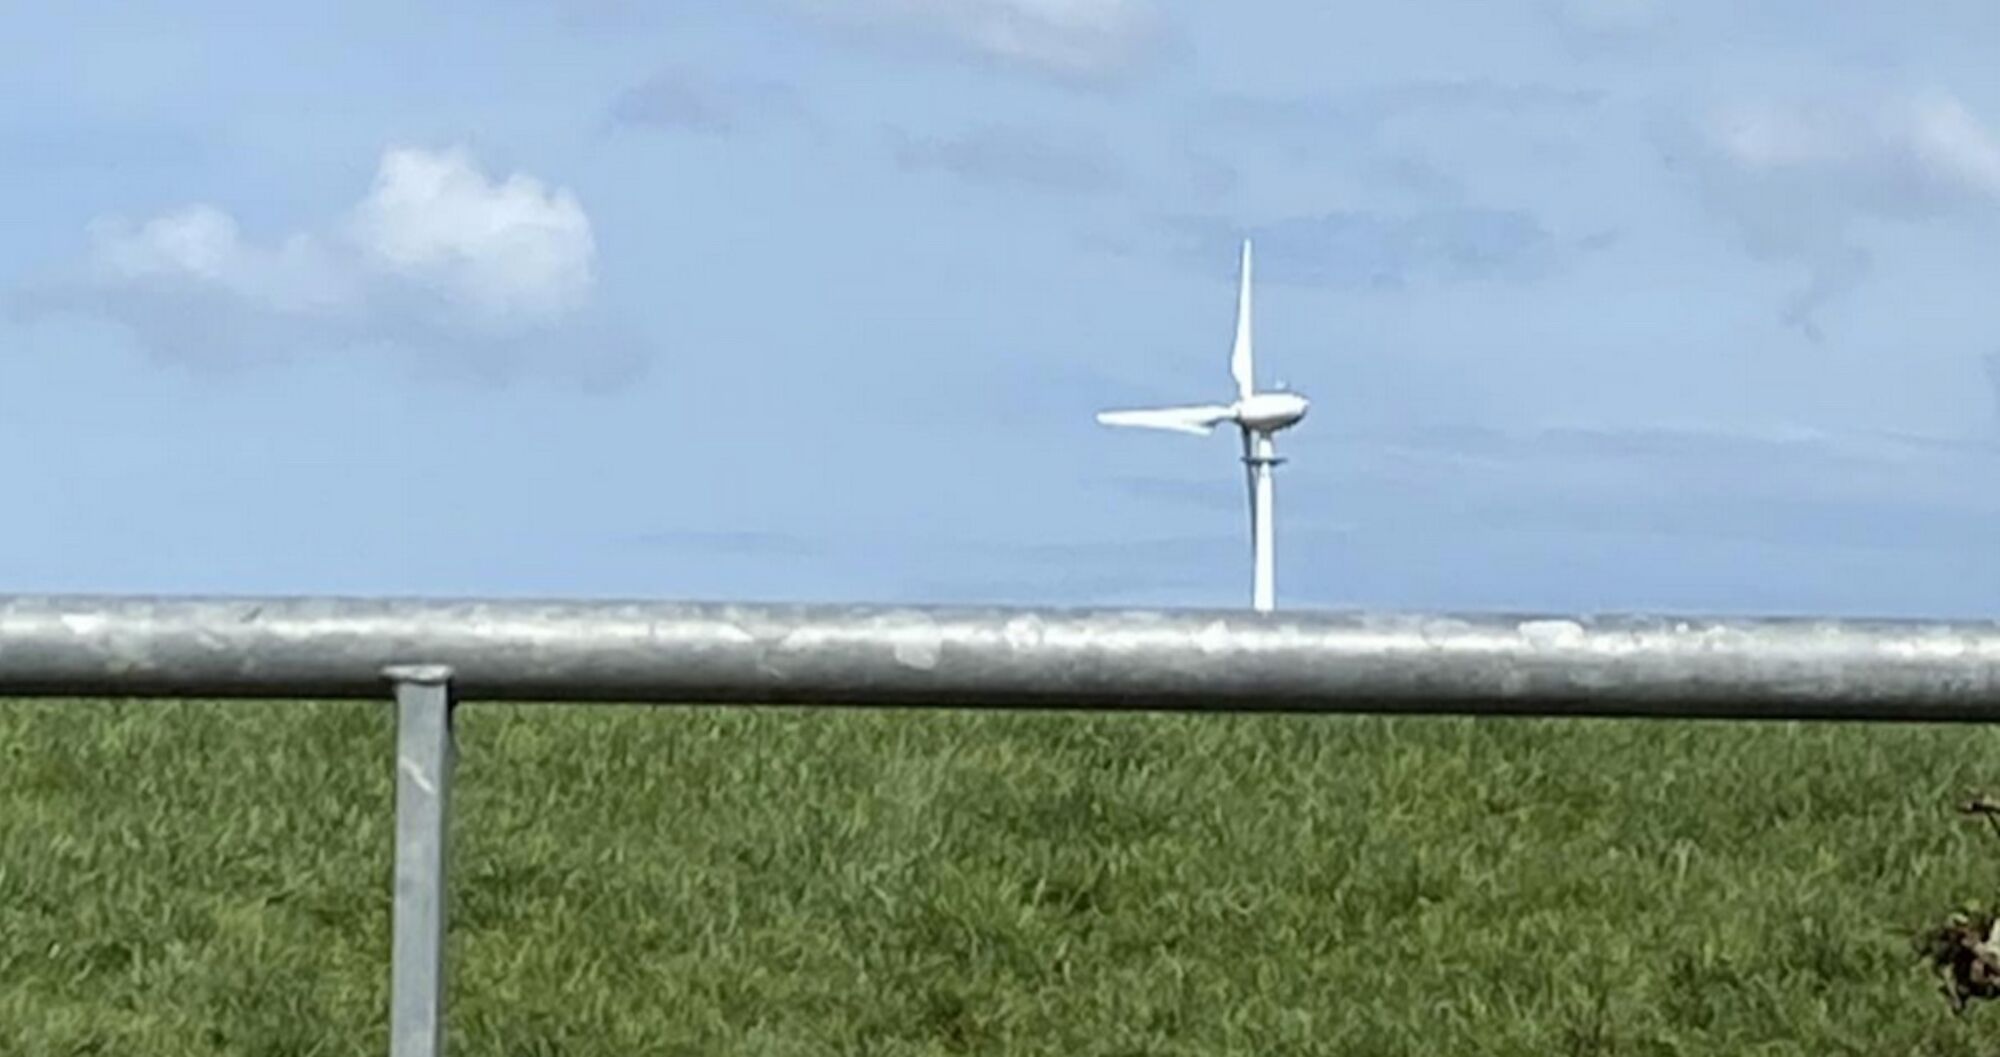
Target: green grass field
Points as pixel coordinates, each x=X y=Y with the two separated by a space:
x=212 y=878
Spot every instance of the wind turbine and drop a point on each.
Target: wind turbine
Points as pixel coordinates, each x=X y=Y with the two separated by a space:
x=1258 y=416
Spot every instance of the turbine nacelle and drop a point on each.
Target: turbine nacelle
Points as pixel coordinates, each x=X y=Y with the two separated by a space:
x=1271 y=412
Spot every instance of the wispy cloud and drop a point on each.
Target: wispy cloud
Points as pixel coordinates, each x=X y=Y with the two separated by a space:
x=436 y=256
x=1800 y=486
x=1210 y=493
x=1901 y=157
x=1011 y=155
x=734 y=542
x=1209 y=176
x=1364 y=109
x=1711 y=444
x=1479 y=94
x=1591 y=24
x=687 y=101
x=1386 y=135
x=1385 y=250
x=1077 y=41
x=1795 y=179
x=1118 y=571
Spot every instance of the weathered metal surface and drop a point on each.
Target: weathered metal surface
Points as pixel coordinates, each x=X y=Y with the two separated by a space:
x=1006 y=658
x=423 y=807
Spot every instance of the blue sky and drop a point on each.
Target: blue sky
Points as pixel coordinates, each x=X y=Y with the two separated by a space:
x=1602 y=304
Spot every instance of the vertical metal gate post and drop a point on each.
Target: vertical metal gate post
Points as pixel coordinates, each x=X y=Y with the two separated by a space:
x=423 y=804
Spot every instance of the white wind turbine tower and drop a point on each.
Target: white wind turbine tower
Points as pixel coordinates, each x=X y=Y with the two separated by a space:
x=1257 y=416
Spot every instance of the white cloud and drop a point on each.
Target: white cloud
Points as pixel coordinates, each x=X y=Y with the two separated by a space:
x=201 y=246
x=1799 y=180
x=504 y=249
x=436 y=255
x=1081 y=39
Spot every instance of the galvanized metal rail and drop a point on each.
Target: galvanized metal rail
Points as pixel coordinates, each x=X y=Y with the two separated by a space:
x=435 y=653
x=1005 y=658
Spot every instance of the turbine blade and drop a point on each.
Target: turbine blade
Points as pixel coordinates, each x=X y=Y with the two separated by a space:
x=1240 y=358
x=1198 y=419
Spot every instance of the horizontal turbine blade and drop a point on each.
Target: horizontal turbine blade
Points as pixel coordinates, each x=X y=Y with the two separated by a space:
x=1198 y=419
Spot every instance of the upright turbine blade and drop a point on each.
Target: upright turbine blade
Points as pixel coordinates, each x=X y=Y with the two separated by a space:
x=1240 y=357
